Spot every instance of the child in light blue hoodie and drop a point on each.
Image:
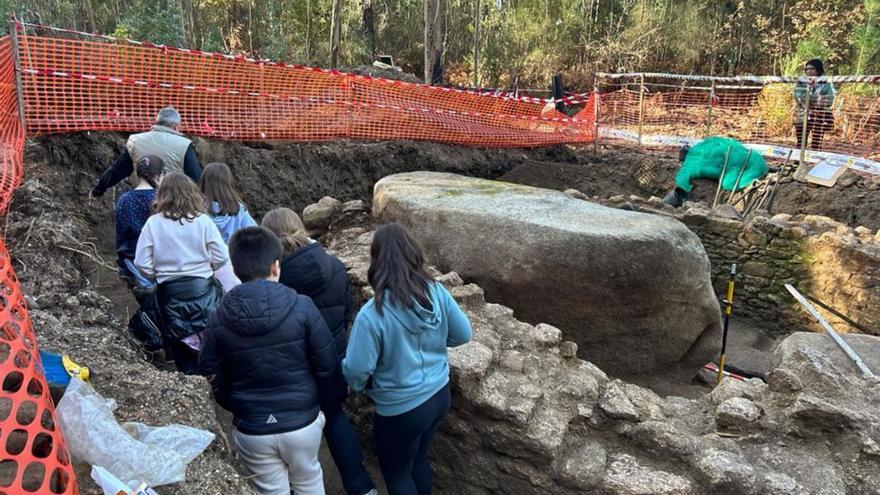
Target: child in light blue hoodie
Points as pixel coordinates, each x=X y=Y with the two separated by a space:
x=223 y=203
x=397 y=356
x=224 y=206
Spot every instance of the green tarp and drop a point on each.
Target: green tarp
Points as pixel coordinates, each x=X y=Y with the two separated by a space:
x=706 y=158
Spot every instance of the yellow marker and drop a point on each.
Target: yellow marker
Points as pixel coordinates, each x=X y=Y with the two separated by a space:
x=728 y=309
x=74 y=369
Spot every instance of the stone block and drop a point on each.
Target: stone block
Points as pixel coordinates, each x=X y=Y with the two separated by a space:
x=617 y=405
x=627 y=476
x=470 y=361
x=450 y=280
x=319 y=215
x=583 y=467
x=526 y=247
x=547 y=335
x=737 y=413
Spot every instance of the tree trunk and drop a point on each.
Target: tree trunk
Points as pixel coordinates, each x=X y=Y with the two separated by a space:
x=477 y=17
x=237 y=36
x=188 y=23
x=369 y=29
x=334 y=33
x=434 y=40
x=308 y=31
x=90 y=12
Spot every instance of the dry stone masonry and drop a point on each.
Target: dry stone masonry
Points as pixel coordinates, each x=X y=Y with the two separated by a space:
x=530 y=417
x=836 y=264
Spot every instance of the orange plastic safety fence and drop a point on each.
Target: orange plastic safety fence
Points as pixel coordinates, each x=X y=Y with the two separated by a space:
x=76 y=84
x=33 y=457
x=754 y=113
x=11 y=131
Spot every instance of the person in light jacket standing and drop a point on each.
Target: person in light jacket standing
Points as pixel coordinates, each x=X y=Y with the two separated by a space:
x=816 y=99
x=397 y=356
x=163 y=140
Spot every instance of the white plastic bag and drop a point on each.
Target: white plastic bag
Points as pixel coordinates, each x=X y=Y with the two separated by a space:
x=157 y=456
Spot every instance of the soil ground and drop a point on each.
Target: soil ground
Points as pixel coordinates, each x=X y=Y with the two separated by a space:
x=63 y=252
x=63 y=245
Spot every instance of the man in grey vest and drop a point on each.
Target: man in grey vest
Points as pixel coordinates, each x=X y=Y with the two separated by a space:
x=163 y=140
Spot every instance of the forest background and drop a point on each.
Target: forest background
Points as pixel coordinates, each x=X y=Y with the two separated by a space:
x=513 y=42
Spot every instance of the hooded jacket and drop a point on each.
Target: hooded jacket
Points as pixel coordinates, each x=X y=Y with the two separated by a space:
x=272 y=357
x=229 y=224
x=312 y=272
x=399 y=358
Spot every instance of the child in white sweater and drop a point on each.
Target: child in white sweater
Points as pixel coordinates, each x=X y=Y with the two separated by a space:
x=180 y=247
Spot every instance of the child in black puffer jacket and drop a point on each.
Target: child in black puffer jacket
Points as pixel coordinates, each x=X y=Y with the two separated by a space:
x=308 y=269
x=274 y=366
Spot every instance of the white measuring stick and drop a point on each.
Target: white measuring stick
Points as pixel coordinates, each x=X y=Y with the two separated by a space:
x=866 y=372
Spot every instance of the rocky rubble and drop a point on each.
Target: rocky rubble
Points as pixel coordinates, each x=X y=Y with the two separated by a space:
x=528 y=419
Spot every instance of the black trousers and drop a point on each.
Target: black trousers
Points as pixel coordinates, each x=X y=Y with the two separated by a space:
x=818 y=123
x=402 y=444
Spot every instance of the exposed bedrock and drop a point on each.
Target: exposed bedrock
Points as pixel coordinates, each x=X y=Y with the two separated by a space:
x=632 y=290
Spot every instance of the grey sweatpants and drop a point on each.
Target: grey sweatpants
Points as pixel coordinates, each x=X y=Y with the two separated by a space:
x=284 y=459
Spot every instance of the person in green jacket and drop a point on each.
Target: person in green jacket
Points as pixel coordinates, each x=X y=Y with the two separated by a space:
x=705 y=160
x=816 y=99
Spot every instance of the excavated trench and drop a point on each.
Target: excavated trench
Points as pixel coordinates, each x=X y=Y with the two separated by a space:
x=62 y=246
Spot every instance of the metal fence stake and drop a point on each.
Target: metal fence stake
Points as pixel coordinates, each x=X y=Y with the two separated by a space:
x=641 y=105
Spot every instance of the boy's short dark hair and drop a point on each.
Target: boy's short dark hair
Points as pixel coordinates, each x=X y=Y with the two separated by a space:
x=252 y=251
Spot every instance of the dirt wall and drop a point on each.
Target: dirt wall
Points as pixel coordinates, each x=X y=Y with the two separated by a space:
x=629 y=170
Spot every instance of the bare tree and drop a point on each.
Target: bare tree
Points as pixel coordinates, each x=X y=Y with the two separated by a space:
x=477 y=16
x=434 y=10
x=334 y=33
x=369 y=28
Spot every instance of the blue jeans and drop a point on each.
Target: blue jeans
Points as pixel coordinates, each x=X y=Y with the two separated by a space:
x=402 y=444
x=346 y=451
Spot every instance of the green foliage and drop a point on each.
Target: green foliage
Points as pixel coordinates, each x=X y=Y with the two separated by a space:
x=522 y=41
x=866 y=40
x=776 y=108
x=813 y=46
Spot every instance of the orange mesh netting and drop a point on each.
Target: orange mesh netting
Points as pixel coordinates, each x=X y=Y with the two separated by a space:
x=33 y=457
x=653 y=108
x=11 y=131
x=76 y=84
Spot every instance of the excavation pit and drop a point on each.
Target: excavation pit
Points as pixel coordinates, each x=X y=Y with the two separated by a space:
x=63 y=254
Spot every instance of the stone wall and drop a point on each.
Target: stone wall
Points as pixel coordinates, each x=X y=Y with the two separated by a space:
x=837 y=265
x=528 y=416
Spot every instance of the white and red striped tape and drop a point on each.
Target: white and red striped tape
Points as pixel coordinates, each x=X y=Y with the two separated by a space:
x=751 y=79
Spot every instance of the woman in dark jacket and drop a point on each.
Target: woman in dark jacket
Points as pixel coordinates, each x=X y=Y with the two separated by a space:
x=309 y=270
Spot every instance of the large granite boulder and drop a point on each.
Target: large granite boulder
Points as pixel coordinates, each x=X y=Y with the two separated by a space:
x=632 y=290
